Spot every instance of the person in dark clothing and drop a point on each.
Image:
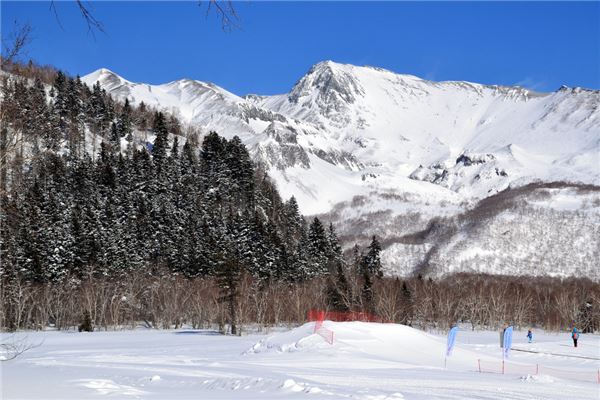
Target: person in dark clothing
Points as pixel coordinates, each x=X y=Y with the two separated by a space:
x=575 y=336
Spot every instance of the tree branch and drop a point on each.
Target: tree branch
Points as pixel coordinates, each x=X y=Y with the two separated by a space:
x=224 y=10
x=92 y=22
x=13 y=348
x=13 y=47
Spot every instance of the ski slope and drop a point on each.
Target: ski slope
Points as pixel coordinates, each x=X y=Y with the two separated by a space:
x=367 y=361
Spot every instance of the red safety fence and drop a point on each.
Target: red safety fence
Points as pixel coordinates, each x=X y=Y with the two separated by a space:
x=512 y=368
x=338 y=316
x=325 y=334
x=319 y=317
x=341 y=316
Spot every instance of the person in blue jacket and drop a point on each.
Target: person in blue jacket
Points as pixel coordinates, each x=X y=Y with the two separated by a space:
x=529 y=336
x=575 y=336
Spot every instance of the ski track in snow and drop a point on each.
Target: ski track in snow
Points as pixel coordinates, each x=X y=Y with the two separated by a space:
x=367 y=362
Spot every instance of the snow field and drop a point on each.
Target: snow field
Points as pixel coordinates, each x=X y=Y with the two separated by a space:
x=366 y=361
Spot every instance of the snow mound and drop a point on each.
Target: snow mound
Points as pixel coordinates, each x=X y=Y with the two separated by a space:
x=401 y=345
x=302 y=338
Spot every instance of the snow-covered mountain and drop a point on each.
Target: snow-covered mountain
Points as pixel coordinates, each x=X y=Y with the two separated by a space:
x=352 y=142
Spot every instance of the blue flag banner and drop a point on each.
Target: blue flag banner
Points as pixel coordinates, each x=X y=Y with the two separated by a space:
x=507 y=343
x=451 y=340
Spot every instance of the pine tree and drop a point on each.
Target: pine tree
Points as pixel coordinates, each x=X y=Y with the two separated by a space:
x=161 y=143
x=241 y=170
x=407 y=304
x=97 y=114
x=141 y=120
x=372 y=260
x=175 y=149
x=357 y=259
x=367 y=292
x=318 y=248
x=38 y=118
x=338 y=290
x=173 y=125
x=124 y=121
x=300 y=267
x=125 y=125
x=292 y=222
x=114 y=138
x=105 y=168
x=370 y=267
x=76 y=121
x=61 y=101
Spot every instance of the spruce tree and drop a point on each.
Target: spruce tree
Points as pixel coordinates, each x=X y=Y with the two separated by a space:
x=114 y=138
x=367 y=292
x=124 y=122
x=161 y=142
x=372 y=260
x=338 y=290
x=357 y=259
x=318 y=248
x=407 y=304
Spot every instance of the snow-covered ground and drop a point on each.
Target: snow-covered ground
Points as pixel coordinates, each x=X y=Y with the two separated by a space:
x=366 y=361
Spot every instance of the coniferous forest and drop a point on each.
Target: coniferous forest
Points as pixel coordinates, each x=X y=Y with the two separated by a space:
x=114 y=215
x=163 y=208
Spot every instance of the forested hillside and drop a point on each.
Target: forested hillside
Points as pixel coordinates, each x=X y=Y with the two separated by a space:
x=70 y=213
x=376 y=152
x=113 y=214
x=180 y=207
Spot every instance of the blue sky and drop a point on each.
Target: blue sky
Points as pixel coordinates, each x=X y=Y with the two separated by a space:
x=536 y=45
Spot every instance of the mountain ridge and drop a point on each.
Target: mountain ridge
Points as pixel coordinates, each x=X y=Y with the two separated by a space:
x=344 y=132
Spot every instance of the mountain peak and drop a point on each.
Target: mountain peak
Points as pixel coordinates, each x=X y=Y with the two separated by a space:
x=105 y=71
x=329 y=64
x=327 y=81
x=105 y=76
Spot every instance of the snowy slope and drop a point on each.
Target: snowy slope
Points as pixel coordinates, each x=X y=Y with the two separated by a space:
x=366 y=362
x=351 y=142
x=397 y=123
x=470 y=138
x=271 y=136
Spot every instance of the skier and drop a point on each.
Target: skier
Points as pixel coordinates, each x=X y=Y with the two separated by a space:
x=575 y=336
x=529 y=336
